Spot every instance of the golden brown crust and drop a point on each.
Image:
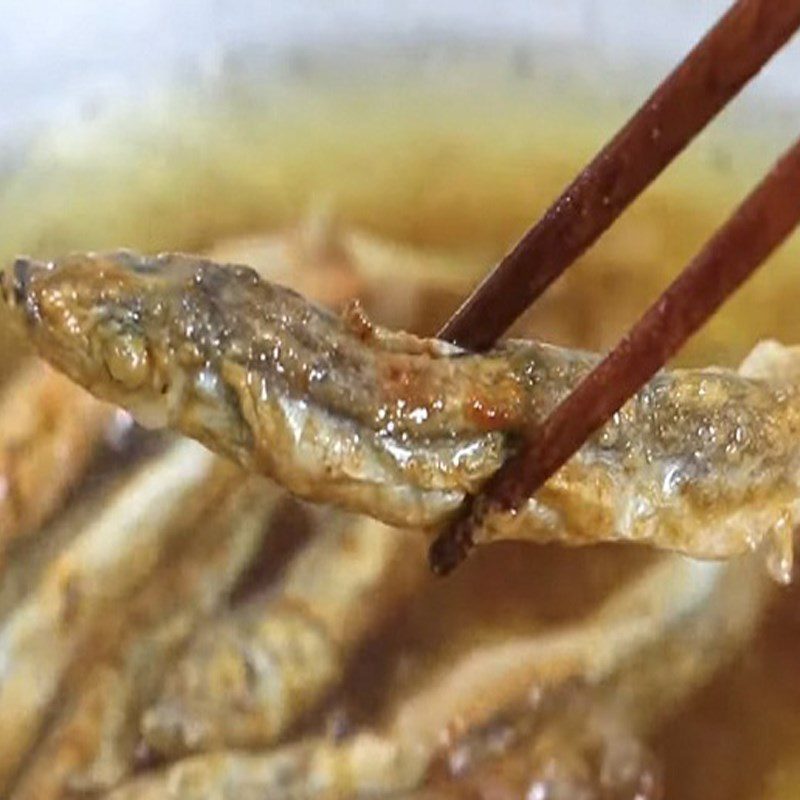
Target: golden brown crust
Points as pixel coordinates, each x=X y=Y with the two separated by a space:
x=403 y=428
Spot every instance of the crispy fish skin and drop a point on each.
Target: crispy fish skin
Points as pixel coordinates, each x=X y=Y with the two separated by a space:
x=49 y=431
x=704 y=462
x=247 y=677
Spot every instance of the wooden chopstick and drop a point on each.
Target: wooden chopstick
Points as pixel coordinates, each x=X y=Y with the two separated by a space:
x=760 y=224
x=734 y=50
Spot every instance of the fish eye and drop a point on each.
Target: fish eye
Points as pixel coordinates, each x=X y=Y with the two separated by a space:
x=127 y=360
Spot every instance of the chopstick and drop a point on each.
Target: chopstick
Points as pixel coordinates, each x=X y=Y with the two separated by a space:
x=760 y=224
x=741 y=42
x=731 y=53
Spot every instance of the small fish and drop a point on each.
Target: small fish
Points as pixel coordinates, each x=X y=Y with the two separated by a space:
x=651 y=643
x=639 y=618
x=704 y=462
x=107 y=561
x=588 y=738
x=248 y=676
x=91 y=745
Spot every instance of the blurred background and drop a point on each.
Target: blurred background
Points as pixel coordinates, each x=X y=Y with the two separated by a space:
x=172 y=124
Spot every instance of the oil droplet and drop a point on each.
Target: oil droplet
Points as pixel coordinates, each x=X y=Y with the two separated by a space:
x=673 y=478
x=629 y=770
x=538 y=791
x=779 y=552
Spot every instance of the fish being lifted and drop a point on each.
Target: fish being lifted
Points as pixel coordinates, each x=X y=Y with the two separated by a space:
x=704 y=462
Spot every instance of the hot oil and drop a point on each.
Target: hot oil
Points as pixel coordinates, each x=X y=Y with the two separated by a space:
x=463 y=172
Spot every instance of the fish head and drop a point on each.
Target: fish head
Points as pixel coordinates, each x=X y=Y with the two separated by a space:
x=106 y=320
